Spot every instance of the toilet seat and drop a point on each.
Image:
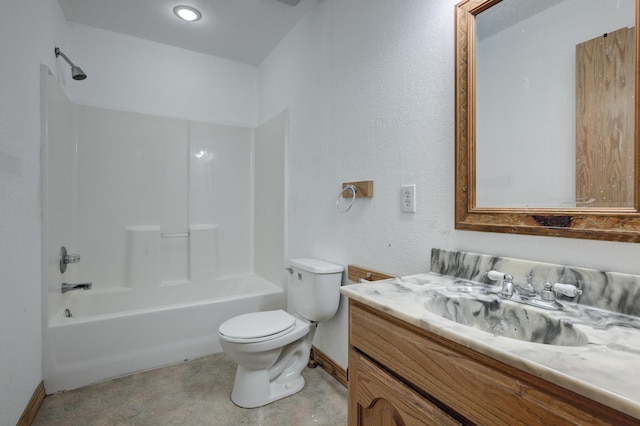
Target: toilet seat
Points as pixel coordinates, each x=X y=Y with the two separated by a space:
x=257 y=326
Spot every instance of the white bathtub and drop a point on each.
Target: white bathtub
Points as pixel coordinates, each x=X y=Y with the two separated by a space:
x=118 y=332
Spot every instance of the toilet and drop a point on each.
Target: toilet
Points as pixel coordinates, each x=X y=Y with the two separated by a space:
x=272 y=348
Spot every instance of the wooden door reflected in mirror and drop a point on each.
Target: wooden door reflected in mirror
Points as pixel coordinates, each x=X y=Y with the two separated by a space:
x=604 y=120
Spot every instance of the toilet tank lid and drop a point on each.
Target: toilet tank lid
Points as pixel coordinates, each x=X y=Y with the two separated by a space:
x=315 y=266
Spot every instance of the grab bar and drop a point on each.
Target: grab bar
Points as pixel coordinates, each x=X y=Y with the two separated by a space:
x=174 y=235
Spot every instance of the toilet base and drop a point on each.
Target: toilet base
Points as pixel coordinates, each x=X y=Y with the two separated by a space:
x=253 y=389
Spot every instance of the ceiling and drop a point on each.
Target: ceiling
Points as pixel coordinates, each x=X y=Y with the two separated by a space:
x=240 y=30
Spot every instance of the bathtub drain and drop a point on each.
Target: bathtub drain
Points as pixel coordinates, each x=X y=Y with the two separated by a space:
x=67 y=313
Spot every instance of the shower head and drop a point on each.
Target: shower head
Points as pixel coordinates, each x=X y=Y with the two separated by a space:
x=76 y=72
x=290 y=2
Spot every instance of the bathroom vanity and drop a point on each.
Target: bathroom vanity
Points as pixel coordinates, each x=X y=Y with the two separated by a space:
x=401 y=371
x=412 y=360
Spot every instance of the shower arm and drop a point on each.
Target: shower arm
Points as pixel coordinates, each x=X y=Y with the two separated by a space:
x=59 y=53
x=76 y=71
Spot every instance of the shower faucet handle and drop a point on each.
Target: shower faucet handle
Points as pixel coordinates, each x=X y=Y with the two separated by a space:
x=66 y=259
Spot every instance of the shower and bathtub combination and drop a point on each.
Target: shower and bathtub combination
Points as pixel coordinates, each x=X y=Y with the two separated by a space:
x=162 y=212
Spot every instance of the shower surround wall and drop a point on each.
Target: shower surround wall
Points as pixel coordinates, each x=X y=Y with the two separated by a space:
x=161 y=211
x=156 y=215
x=160 y=200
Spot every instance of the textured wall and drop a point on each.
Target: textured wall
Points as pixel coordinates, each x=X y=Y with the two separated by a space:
x=131 y=74
x=370 y=89
x=369 y=85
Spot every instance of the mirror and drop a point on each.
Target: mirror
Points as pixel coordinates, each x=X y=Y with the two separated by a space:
x=546 y=95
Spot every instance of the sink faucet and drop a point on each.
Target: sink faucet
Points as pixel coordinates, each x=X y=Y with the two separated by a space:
x=509 y=288
x=526 y=293
x=81 y=286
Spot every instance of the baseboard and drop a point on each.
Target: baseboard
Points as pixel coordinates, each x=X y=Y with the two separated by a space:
x=329 y=365
x=33 y=406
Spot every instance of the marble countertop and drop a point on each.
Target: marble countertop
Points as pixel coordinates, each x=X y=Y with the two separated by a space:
x=606 y=369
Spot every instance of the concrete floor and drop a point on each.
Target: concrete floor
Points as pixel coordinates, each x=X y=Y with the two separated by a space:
x=193 y=393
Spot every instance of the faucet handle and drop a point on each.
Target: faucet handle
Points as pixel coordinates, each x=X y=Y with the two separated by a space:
x=568 y=290
x=501 y=277
x=547 y=292
x=497 y=275
x=66 y=258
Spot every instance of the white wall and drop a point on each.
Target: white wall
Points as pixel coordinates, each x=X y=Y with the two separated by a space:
x=370 y=89
x=117 y=186
x=125 y=189
x=132 y=74
x=269 y=174
x=220 y=191
x=30 y=29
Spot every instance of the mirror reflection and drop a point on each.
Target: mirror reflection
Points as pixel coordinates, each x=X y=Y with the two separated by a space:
x=554 y=102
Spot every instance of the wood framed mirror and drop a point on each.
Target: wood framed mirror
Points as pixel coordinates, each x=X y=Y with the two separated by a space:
x=547 y=96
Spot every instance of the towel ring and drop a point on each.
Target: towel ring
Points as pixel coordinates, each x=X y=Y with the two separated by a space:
x=351 y=188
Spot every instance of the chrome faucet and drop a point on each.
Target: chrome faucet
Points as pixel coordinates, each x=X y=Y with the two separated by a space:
x=80 y=286
x=526 y=293
x=508 y=287
x=528 y=289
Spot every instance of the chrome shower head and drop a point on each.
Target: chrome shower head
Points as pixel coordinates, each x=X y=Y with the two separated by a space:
x=76 y=72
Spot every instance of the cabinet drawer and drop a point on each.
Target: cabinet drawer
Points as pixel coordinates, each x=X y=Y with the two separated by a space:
x=477 y=387
x=377 y=398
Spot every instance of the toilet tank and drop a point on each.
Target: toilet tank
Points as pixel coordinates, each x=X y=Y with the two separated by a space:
x=314 y=288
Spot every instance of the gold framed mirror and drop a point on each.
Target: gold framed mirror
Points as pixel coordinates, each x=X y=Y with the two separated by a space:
x=525 y=160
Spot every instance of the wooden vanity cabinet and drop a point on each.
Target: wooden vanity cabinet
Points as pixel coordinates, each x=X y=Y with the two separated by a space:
x=400 y=374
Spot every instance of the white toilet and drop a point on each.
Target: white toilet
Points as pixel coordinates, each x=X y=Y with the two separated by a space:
x=272 y=348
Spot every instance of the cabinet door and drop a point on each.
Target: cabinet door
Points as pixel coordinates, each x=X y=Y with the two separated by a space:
x=378 y=399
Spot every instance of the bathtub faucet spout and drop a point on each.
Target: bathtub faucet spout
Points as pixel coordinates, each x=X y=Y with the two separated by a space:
x=82 y=286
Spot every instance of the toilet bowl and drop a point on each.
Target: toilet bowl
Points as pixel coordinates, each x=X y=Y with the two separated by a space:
x=269 y=366
x=272 y=348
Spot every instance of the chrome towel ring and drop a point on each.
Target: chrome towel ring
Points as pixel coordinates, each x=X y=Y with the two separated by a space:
x=351 y=188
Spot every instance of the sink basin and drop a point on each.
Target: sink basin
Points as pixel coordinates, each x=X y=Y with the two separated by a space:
x=504 y=318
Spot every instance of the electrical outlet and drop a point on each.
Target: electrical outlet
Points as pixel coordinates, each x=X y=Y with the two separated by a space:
x=408 y=198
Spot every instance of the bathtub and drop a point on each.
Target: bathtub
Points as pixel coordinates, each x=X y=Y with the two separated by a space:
x=120 y=331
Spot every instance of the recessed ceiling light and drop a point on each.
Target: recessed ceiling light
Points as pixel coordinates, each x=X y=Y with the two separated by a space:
x=187 y=13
